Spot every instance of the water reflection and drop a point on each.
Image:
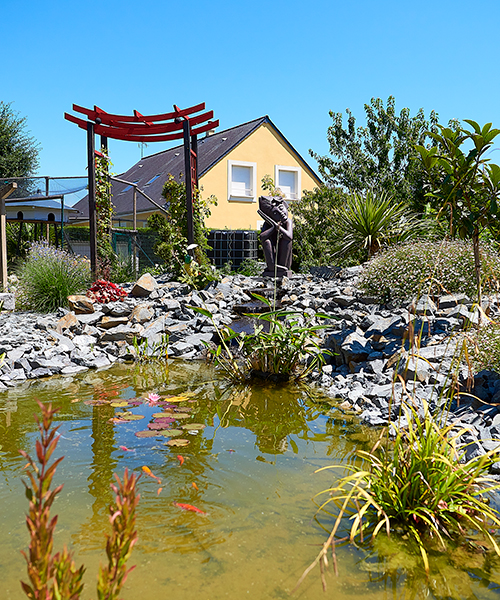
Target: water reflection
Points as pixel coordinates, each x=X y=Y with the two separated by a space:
x=249 y=469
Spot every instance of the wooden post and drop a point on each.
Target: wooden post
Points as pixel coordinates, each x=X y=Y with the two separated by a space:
x=5 y=191
x=194 y=148
x=188 y=181
x=92 y=209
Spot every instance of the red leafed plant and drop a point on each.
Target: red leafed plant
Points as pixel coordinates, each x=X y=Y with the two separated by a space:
x=55 y=576
x=105 y=291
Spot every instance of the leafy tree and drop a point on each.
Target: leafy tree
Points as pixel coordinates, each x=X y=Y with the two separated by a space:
x=380 y=156
x=315 y=228
x=463 y=184
x=18 y=151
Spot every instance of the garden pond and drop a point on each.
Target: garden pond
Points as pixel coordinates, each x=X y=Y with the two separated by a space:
x=248 y=467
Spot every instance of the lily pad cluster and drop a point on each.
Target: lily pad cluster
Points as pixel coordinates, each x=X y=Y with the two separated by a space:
x=170 y=422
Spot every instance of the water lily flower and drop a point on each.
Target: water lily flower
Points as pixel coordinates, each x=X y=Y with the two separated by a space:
x=152 y=399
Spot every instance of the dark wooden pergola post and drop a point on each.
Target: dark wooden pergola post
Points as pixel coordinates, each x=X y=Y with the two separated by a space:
x=189 y=180
x=92 y=212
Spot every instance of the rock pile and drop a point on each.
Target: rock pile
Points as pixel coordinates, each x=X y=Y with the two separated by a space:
x=370 y=343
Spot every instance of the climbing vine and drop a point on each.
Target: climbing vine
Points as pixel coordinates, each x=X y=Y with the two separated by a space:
x=104 y=213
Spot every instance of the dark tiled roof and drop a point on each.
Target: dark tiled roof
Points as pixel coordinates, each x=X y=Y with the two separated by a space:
x=211 y=150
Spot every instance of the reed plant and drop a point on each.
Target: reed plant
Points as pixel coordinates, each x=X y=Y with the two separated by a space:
x=422 y=485
x=286 y=349
x=55 y=576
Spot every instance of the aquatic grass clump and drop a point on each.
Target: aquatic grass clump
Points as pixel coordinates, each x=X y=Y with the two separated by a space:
x=288 y=350
x=48 y=276
x=422 y=485
x=444 y=267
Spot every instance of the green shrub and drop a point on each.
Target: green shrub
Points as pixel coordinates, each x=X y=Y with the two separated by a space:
x=49 y=276
x=484 y=348
x=407 y=270
x=250 y=268
x=368 y=222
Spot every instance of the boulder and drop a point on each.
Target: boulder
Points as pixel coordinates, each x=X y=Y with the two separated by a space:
x=69 y=321
x=142 y=313
x=7 y=301
x=144 y=286
x=80 y=304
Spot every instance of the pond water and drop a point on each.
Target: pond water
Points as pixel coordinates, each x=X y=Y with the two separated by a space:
x=249 y=466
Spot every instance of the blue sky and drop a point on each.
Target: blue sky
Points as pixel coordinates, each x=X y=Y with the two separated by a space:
x=294 y=61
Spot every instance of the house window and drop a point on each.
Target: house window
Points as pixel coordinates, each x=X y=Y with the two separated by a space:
x=287 y=179
x=241 y=180
x=152 y=179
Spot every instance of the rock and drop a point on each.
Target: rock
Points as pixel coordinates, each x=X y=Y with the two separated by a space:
x=80 y=304
x=90 y=318
x=63 y=340
x=343 y=300
x=122 y=332
x=452 y=301
x=110 y=322
x=73 y=369
x=170 y=304
x=69 y=321
x=144 y=286
x=355 y=348
x=7 y=301
x=142 y=313
x=414 y=369
x=82 y=341
x=425 y=306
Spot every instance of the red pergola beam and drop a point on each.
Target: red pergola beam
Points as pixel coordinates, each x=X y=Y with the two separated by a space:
x=122 y=134
x=130 y=129
x=98 y=112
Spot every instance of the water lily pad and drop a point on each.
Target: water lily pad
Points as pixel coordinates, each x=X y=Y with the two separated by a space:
x=117 y=420
x=156 y=426
x=162 y=414
x=177 y=443
x=165 y=421
x=146 y=434
x=130 y=416
x=120 y=404
x=183 y=409
x=176 y=399
x=175 y=432
x=192 y=426
x=181 y=416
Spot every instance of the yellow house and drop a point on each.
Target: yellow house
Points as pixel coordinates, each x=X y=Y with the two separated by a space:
x=231 y=165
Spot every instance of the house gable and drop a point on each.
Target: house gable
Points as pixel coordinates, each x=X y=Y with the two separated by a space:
x=265 y=148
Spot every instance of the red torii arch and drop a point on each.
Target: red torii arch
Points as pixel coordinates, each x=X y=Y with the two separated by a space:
x=180 y=124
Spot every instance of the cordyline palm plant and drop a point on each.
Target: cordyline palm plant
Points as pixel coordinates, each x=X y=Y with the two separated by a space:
x=422 y=485
x=366 y=223
x=288 y=350
x=55 y=576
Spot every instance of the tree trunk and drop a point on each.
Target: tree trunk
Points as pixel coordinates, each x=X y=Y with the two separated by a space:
x=477 y=267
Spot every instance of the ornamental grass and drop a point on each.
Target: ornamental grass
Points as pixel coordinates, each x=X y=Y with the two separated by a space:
x=421 y=485
x=48 y=276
